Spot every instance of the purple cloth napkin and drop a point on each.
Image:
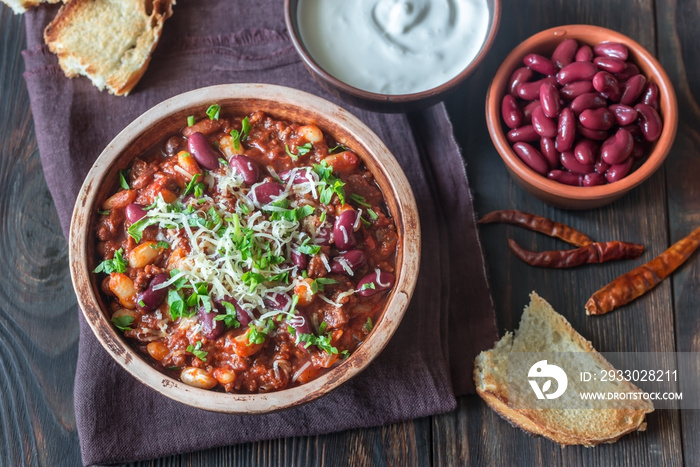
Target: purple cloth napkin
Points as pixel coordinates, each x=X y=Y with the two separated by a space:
x=427 y=363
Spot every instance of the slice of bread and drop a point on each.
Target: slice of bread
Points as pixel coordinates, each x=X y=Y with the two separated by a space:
x=20 y=6
x=544 y=330
x=109 y=41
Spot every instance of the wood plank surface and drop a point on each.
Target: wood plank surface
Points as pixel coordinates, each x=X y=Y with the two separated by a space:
x=38 y=320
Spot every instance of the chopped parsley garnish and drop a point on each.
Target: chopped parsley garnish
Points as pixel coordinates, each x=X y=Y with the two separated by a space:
x=190 y=186
x=257 y=336
x=368 y=285
x=322 y=341
x=223 y=161
x=292 y=215
x=330 y=185
x=160 y=244
x=176 y=304
x=190 y=120
x=122 y=322
x=242 y=135
x=373 y=214
x=103 y=213
x=335 y=148
x=307 y=249
x=359 y=200
x=319 y=285
x=116 y=264
x=213 y=111
x=301 y=150
x=137 y=228
x=197 y=352
x=122 y=180
x=230 y=319
x=368 y=325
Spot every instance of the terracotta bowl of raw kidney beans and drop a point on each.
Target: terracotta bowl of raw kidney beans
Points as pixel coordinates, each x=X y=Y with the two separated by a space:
x=581 y=115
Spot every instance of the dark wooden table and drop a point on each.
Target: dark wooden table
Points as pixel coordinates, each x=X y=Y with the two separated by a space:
x=38 y=323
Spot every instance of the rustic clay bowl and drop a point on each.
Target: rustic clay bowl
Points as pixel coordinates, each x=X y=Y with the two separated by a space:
x=387 y=102
x=555 y=193
x=167 y=118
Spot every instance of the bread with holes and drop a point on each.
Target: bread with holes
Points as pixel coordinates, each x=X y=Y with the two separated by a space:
x=109 y=41
x=542 y=329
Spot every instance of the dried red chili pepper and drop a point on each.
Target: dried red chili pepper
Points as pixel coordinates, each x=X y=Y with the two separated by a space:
x=638 y=281
x=597 y=252
x=538 y=224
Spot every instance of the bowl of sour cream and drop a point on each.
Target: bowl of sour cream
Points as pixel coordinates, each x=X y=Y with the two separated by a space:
x=392 y=55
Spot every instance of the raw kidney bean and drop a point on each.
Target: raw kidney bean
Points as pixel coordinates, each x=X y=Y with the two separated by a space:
x=598 y=135
x=624 y=114
x=524 y=133
x=597 y=119
x=639 y=150
x=375 y=282
x=617 y=148
x=344 y=230
x=150 y=299
x=649 y=122
x=549 y=151
x=632 y=89
x=611 y=49
x=650 y=95
x=353 y=259
x=589 y=100
x=584 y=54
x=531 y=90
x=601 y=166
x=549 y=98
x=577 y=71
x=572 y=90
x=540 y=64
x=607 y=85
x=612 y=65
x=202 y=151
x=134 y=212
x=564 y=53
x=566 y=130
x=247 y=167
x=593 y=179
x=211 y=328
x=585 y=151
x=629 y=72
x=527 y=111
x=532 y=157
x=619 y=171
x=510 y=110
x=264 y=193
x=565 y=177
x=543 y=125
x=521 y=75
x=596 y=96
x=569 y=161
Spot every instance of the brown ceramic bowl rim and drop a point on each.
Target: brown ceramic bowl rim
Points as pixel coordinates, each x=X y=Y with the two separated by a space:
x=396 y=98
x=383 y=165
x=667 y=100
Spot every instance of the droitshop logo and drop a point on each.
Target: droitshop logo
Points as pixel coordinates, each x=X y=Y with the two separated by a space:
x=544 y=372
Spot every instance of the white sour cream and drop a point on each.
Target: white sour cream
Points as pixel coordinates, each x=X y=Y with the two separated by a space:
x=393 y=46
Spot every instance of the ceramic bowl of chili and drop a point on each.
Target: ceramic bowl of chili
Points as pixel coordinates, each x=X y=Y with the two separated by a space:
x=392 y=56
x=553 y=192
x=145 y=160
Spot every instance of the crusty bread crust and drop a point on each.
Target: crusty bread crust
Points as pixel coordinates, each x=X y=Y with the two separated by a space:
x=492 y=387
x=109 y=41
